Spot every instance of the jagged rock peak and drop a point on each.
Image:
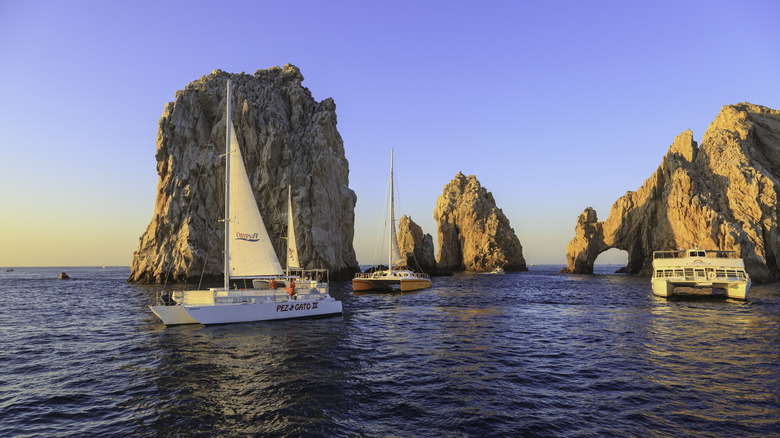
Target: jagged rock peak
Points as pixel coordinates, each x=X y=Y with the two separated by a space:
x=721 y=195
x=587 y=244
x=286 y=137
x=474 y=234
x=416 y=248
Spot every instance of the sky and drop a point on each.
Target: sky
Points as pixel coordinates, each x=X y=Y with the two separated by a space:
x=554 y=106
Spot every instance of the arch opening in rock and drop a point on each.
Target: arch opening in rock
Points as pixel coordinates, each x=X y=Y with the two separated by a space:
x=611 y=261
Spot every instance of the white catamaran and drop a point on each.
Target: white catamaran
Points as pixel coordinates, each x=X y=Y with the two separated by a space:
x=249 y=254
x=721 y=272
x=392 y=279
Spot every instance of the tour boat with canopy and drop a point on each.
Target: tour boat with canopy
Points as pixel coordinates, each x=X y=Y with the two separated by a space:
x=723 y=272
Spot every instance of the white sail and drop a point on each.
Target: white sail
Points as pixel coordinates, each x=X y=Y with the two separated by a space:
x=395 y=253
x=250 y=251
x=292 y=248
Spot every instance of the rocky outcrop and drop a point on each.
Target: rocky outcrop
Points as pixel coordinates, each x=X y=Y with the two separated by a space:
x=587 y=244
x=474 y=234
x=416 y=248
x=722 y=195
x=286 y=138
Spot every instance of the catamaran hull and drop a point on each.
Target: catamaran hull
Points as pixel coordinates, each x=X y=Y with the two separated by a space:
x=417 y=284
x=405 y=285
x=173 y=315
x=736 y=289
x=246 y=312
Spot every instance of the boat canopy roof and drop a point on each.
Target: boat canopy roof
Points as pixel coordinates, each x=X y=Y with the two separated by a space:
x=711 y=253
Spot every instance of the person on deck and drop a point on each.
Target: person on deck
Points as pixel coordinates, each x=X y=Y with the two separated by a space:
x=291 y=288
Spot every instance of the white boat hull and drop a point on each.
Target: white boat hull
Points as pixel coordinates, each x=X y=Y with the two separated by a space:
x=665 y=287
x=220 y=306
x=720 y=271
x=246 y=312
x=173 y=315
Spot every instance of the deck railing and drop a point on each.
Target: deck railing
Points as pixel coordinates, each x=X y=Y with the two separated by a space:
x=413 y=275
x=703 y=253
x=698 y=274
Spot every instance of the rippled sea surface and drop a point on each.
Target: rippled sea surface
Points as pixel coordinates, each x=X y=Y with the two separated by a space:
x=523 y=354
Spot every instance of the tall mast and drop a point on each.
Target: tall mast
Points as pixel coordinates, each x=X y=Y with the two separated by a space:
x=392 y=218
x=228 y=127
x=289 y=227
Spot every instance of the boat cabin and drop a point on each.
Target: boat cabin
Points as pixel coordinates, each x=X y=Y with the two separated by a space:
x=699 y=268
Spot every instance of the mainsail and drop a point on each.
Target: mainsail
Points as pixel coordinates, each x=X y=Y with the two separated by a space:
x=249 y=249
x=292 y=248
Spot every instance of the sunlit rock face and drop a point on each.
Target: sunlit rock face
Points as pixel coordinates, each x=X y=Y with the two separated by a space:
x=587 y=244
x=721 y=195
x=286 y=137
x=416 y=248
x=474 y=234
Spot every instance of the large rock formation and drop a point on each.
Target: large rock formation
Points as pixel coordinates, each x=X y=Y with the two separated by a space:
x=286 y=138
x=587 y=244
x=474 y=234
x=722 y=195
x=416 y=248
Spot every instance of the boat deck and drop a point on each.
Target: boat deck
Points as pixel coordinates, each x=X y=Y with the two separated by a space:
x=405 y=281
x=718 y=270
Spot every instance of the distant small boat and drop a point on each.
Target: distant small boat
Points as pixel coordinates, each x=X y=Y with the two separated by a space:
x=394 y=278
x=721 y=271
x=9 y=270
x=496 y=270
x=63 y=276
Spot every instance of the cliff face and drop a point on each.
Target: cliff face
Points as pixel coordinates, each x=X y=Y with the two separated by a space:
x=416 y=248
x=286 y=137
x=474 y=234
x=722 y=195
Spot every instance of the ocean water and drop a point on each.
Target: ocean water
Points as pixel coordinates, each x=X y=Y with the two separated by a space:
x=523 y=354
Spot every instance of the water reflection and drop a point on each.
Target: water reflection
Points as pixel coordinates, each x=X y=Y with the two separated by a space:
x=513 y=355
x=701 y=353
x=259 y=378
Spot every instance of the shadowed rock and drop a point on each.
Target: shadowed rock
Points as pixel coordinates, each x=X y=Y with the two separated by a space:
x=416 y=248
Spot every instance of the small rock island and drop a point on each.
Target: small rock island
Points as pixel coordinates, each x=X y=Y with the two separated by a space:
x=474 y=234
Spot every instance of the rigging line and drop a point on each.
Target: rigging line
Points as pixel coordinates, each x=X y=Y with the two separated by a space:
x=254 y=149
x=381 y=237
x=203 y=271
x=259 y=167
x=192 y=194
x=187 y=213
x=397 y=194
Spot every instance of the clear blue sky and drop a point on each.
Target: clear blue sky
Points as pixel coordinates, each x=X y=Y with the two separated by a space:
x=554 y=106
